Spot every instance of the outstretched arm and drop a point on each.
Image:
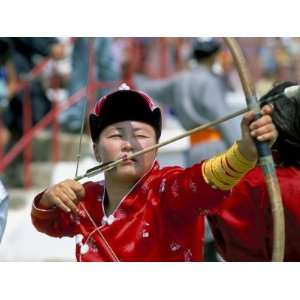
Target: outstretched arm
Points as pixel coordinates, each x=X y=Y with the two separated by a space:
x=161 y=90
x=225 y=170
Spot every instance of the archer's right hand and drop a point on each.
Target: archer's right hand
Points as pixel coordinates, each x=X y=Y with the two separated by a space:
x=64 y=195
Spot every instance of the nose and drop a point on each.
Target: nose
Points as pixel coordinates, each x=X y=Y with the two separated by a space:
x=126 y=146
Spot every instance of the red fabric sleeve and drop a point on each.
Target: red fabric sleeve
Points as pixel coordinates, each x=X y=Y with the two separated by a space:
x=186 y=192
x=243 y=228
x=53 y=221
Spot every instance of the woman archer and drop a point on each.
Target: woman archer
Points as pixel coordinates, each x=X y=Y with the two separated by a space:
x=142 y=212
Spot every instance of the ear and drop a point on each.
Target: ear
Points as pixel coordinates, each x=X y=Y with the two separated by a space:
x=96 y=152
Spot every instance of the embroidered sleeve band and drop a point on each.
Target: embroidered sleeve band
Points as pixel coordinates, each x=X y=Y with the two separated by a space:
x=223 y=171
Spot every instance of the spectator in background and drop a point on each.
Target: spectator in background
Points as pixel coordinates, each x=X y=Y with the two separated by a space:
x=269 y=66
x=3 y=209
x=106 y=69
x=56 y=74
x=25 y=54
x=197 y=96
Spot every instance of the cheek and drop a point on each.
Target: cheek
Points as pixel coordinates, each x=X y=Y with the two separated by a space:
x=149 y=158
x=152 y=154
x=108 y=151
x=147 y=143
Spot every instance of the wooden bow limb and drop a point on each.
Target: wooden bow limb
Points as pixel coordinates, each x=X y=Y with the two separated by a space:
x=265 y=155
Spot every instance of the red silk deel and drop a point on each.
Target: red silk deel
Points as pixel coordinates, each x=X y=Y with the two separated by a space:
x=160 y=219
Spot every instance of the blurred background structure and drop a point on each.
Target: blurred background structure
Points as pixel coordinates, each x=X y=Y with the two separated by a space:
x=45 y=84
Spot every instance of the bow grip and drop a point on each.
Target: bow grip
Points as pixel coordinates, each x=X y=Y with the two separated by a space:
x=263 y=148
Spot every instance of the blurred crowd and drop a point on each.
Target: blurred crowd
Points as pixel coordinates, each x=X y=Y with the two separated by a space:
x=68 y=61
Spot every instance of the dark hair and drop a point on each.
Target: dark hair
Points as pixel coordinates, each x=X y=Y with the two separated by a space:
x=286 y=117
x=203 y=48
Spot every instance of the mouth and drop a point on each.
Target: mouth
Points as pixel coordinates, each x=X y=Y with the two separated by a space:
x=128 y=161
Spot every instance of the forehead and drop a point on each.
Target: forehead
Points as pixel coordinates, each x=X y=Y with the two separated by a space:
x=129 y=126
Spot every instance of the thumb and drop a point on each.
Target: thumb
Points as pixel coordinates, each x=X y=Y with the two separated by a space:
x=245 y=123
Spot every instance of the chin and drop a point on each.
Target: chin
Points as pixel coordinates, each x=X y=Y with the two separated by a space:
x=128 y=173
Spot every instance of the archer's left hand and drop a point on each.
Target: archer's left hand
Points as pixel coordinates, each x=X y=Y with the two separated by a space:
x=262 y=129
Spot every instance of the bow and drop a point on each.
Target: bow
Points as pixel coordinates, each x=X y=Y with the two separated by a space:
x=264 y=153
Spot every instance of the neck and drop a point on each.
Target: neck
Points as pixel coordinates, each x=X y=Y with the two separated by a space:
x=208 y=62
x=116 y=190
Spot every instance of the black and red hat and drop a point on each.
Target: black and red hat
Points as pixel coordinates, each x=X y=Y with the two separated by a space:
x=123 y=105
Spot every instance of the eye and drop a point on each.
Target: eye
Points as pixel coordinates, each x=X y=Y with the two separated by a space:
x=141 y=136
x=115 y=135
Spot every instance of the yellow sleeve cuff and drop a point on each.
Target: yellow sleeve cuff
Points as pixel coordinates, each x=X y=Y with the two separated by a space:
x=225 y=170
